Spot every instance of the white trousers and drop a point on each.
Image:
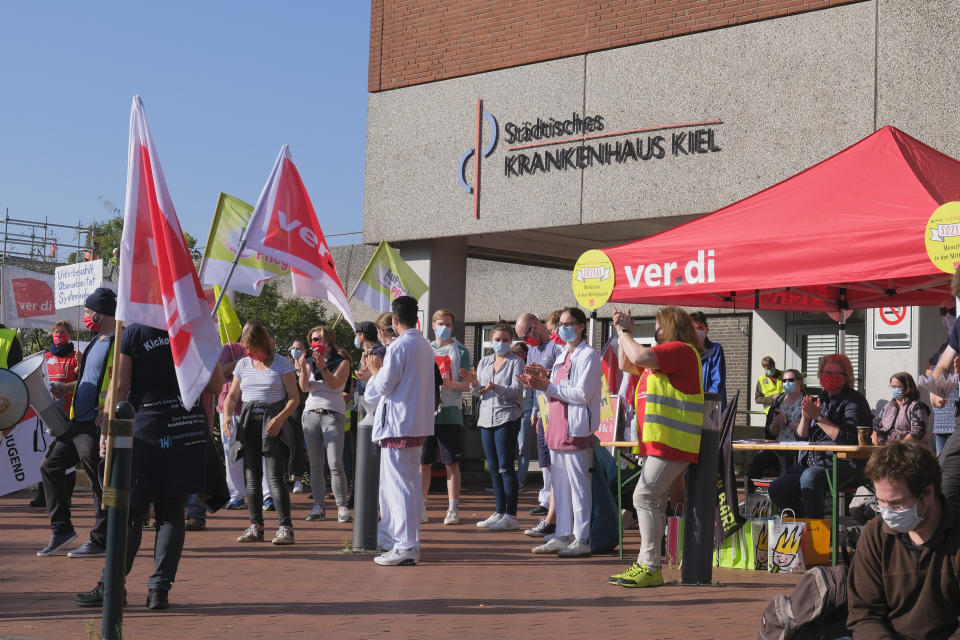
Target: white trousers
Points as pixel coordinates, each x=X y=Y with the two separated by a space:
x=572 y=499
x=401 y=498
x=544 y=497
x=650 y=499
x=235 y=480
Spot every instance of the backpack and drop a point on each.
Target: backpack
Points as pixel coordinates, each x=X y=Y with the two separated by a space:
x=816 y=608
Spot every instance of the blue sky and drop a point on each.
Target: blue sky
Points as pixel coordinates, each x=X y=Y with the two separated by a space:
x=224 y=84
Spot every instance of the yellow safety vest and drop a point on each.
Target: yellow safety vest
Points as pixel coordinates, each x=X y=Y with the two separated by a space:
x=770 y=387
x=671 y=417
x=105 y=376
x=7 y=336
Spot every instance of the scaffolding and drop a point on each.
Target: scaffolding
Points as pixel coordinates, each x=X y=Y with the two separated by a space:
x=43 y=246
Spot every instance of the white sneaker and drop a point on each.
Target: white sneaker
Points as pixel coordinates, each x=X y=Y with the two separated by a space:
x=424 y=519
x=576 y=549
x=398 y=558
x=452 y=517
x=554 y=545
x=297 y=487
x=506 y=523
x=494 y=517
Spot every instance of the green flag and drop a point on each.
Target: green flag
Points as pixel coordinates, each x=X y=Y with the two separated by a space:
x=253 y=269
x=386 y=278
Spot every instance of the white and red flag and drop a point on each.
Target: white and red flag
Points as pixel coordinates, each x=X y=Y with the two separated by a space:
x=159 y=286
x=284 y=226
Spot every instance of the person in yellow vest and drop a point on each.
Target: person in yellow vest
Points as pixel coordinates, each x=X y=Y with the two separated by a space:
x=11 y=351
x=669 y=405
x=769 y=385
x=81 y=444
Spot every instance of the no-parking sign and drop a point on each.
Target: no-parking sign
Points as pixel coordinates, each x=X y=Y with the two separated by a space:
x=892 y=328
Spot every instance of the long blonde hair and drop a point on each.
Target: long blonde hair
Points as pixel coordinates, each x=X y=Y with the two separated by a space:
x=675 y=324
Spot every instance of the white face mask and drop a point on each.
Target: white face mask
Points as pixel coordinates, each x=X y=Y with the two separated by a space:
x=901 y=520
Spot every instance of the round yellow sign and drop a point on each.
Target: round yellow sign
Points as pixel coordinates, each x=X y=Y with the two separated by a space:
x=593 y=279
x=942 y=237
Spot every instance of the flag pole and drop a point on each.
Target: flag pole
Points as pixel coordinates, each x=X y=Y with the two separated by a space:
x=233 y=267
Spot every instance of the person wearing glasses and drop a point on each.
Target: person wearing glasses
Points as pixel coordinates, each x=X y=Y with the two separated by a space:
x=782 y=423
x=904 y=417
x=573 y=389
x=832 y=417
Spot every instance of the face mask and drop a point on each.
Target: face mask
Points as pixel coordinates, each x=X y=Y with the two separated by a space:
x=770 y=372
x=790 y=386
x=903 y=520
x=530 y=340
x=501 y=348
x=568 y=334
x=60 y=339
x=557 y=339
x=442 y=332
x=91 y=324
x=296 y=353
x=948 y=322
x=896 y=392
x=831 y=383
x=318 y=347
x=358 y=342
x=702 y=334
x=252 y=355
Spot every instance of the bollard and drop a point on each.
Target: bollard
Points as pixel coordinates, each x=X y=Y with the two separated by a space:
x=701 y=500
x=366 y=491
x=116 y=499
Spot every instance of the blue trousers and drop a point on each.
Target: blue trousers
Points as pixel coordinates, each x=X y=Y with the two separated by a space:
x=500 y=447
x=804 y=489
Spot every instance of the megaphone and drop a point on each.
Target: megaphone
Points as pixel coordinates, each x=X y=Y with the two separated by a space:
x=48 y=408
x=13 y=399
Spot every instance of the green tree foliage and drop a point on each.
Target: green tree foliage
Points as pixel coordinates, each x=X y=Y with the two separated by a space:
x=290 y=318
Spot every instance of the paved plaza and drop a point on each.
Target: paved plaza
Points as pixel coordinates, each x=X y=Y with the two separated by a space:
x=471 y=583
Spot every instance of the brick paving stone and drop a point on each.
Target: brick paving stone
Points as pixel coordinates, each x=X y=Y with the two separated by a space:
x=471 y=583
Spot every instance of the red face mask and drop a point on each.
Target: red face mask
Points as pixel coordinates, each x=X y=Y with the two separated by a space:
x=91 y=324
x=831 y=383
x=60 y=339
x=318 y=347
x=531 y=341
x=253 y=355
x=557 y=339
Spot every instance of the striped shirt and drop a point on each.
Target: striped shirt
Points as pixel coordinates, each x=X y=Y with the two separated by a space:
x=262 y=386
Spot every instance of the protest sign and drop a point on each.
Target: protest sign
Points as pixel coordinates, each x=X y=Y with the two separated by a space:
x=74 y=282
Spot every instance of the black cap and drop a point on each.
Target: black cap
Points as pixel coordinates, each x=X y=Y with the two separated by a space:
x=368 y=329
x=103 y=301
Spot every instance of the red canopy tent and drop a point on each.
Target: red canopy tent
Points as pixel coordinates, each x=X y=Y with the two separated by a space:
x=847 y=232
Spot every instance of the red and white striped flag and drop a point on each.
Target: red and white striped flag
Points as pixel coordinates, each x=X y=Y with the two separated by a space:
x=284 y=226
x=159 y=286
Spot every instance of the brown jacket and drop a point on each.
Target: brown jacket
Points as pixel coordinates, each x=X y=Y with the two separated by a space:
x=893 y=593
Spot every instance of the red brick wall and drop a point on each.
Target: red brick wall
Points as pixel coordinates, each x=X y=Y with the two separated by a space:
x=412 y=42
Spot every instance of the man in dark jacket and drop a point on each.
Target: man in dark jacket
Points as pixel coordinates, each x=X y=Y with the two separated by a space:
x=903 y=581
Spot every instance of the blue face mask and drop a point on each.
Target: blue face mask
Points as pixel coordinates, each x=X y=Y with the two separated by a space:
x=770 y=372
x=442 y=332
x=901 y=520
x=358 y=342
x=896 y=392
x=568 y=334
x=296 y=353
x=790 y=386
x=501 y=348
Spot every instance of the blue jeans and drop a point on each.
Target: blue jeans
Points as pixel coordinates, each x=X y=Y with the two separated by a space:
x=804 y=489
x=523 y=451
x=194 y=510
x=500 y=447
x=941 y=439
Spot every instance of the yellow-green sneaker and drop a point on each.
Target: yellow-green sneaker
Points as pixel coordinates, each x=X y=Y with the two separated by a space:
x=615 y=578
x=640 y=575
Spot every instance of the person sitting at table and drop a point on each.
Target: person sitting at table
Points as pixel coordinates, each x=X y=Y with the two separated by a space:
x=904 y=417
x=782 y=423
x=830 y=418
